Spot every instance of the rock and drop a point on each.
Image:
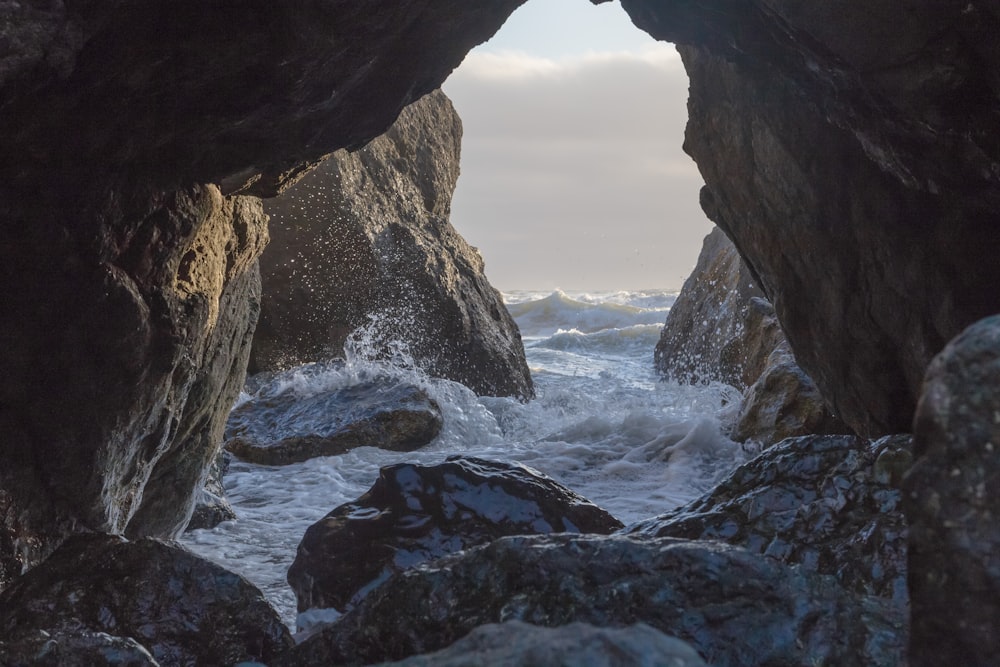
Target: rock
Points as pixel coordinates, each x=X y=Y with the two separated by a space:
x=572 y=645
x=733 y=607
x=363 y=241
x=825 y=503
x=414 y=513
x=144 y=594
x=212 y=506
x=783 y=403
x=74 y=648
x=289 y=420
x=823 y=133
x=952 y=505
x=720 y=328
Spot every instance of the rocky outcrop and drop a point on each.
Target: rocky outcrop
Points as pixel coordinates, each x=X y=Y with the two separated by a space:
x=290 y=419
x=414 y=513
x=733 y=607
x=952 y=504
x=516 y=643
x=363 y=241
x=144 y=596
x=851 y=155
x=830 y=504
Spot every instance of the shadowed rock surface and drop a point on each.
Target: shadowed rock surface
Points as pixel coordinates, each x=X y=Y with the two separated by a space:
x=572 y=645
x=290 y=420
x=952 y=504
x=364 y=241
x=74 y=648
x=414 y=513
x=180 y=608
x=212 y=506
x=830 y=504
x=735 y=608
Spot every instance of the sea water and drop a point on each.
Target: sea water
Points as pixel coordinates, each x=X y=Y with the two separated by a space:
x=602 y=424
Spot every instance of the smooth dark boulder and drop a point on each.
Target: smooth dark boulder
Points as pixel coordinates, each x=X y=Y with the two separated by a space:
x=180 y=608
x=74 y=648
x=414 y=513
x=290 y=420
x=364 y=242
x=830 y=504
x=571 y=645
x=735 y=608
x=952 y=504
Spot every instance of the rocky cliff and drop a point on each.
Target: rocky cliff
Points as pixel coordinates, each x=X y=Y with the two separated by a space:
x=364 y=240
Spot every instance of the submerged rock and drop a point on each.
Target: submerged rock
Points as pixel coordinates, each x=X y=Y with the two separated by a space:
x=286 y=423
x=952 y=504
x=735 y=608
x=144 y=594
x=571 y=645
x=415 y=513
x=364 y=241
x=830 y=504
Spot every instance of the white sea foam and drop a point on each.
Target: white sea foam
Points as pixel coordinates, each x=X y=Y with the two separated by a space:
x=601 y=424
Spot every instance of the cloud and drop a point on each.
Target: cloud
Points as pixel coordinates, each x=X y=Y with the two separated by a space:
x=572 y=167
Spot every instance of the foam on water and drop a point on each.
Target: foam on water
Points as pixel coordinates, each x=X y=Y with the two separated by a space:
x=601 y=424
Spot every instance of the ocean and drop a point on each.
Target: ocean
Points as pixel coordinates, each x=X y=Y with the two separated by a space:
x=602 y=424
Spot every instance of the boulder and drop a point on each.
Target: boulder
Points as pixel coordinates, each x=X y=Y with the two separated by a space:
x=74 y=648
x=829 y=504
x=363 y=241
x=952 y=505
x=734 y=607
x=290 y=420
x=414 y=513
x=141 y=595
x=572 y=645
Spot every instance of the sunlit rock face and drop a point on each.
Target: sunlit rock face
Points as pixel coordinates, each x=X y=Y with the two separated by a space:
x=852 y=156
x=364 y=241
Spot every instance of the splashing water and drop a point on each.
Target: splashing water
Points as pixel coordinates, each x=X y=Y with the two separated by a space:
x=602 y=424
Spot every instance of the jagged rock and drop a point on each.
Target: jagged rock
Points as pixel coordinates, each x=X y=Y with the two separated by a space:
x=830 y=504
x=212 y=506
x=74 y=648
x=287 y=421
x=365 y=236
x=720 y=328
x=414 y=513
x=783 y=403
x=572 y=645
x=733 y=607
x=180 y=608
x=952 y=504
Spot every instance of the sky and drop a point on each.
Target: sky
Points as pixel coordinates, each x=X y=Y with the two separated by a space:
x=573 y=175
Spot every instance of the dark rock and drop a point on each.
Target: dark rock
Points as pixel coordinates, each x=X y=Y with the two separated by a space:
x=852 y=155
x=952 y=504
x=183 y=610
x=363 y=241
x=288 y=421
x=572 y=645
x=74 y=648
x=826 y=503
x=414 y=513
x=733 y=607
x=212 y=507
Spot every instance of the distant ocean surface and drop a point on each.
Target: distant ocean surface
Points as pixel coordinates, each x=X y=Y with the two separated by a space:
x=602 y=424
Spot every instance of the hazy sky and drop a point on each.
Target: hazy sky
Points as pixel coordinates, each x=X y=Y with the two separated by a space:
x=572 y=169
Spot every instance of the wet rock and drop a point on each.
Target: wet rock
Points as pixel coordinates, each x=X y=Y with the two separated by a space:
x=180 y=608
x=735 y=608
x=364 y=241
x=572 y=645
x=212 y=506
x=414 y=513
x=952 y=504
x=74 y=648
x=286 y=421
x=829 y=504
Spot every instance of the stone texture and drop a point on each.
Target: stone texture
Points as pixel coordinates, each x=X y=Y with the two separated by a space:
x=829 y=504
x=733 y=607
x=414 y=513
x=144 y=594
x=363 y=241
x=572 y=645
x=290 y=419
x=952 y=504
x=74 y=648
x=852 y=156
x=212 y=506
